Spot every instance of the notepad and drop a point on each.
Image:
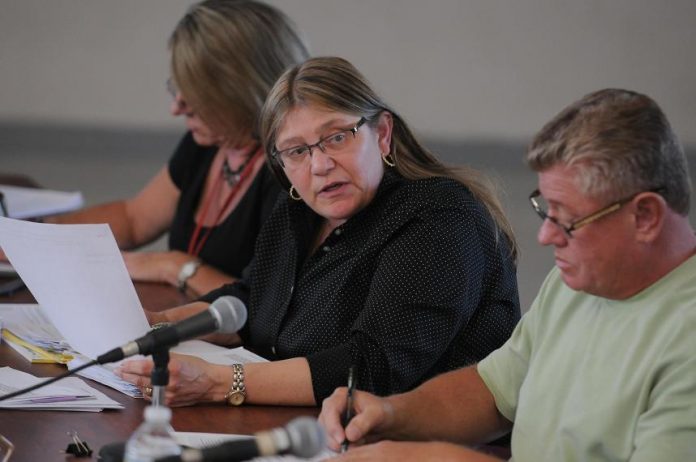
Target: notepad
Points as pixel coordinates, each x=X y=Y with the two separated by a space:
x=24 y=203
x=72 y=394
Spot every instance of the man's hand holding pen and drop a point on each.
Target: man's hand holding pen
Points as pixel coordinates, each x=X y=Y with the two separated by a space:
x=371 y=416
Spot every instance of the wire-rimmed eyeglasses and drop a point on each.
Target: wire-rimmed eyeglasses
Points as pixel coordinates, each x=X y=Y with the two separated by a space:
x=173 y=91
x=334 y=143
x=541 y=208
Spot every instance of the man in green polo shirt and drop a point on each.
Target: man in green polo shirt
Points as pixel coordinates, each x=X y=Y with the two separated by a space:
x=603 y=366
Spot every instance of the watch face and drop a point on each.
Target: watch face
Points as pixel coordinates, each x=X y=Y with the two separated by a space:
x=236 y=398
x=189 y=269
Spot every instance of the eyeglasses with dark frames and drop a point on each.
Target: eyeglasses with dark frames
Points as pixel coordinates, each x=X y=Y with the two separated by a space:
x=540 y=207
x=332 y=144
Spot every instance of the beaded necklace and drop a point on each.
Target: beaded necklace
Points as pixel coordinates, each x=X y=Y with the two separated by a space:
x=197 y=241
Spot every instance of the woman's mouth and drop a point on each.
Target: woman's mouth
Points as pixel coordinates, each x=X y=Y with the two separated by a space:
x=331 y=187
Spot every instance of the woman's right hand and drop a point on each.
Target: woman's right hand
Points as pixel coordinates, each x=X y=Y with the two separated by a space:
x=191 y=380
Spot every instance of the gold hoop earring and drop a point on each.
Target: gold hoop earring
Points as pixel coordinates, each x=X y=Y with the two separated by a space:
x=389 y=160
x=293 y=191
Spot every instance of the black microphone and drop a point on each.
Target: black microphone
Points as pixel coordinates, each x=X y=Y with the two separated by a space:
x=302 y=437
x=225 y=315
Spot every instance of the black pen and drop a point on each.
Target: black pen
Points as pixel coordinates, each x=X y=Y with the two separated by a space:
x=349 y=405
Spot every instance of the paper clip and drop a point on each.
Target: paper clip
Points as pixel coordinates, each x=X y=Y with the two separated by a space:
x=6 y=449
x=78 y=448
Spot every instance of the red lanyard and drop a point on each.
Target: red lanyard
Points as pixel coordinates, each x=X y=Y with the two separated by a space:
x=195 y=246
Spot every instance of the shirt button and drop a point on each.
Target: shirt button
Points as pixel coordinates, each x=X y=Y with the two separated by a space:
x=273 y=349
x=326 y=248
x=338 y=232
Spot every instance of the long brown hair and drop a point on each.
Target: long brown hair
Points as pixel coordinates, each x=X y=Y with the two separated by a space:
x=335 y=84
x=225 y=57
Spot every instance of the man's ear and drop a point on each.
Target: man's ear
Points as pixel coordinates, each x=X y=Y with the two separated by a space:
x=649 y=209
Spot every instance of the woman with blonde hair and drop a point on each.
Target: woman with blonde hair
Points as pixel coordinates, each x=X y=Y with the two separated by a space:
x=380 y=257
x=216 y=192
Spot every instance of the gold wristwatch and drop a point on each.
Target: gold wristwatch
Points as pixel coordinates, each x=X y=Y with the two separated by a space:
x=237 y=393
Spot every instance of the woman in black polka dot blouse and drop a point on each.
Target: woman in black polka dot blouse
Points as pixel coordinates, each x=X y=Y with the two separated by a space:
x=379 y=256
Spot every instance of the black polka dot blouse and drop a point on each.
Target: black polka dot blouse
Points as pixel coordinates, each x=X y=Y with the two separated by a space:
x=418 y=283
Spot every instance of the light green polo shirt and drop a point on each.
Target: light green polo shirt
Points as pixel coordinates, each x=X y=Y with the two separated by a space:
x=589 y=379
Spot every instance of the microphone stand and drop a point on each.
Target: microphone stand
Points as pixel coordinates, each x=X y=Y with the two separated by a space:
x=160 y=375
x=114 y=452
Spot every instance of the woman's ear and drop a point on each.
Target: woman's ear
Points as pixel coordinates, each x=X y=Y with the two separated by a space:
x=384 y=127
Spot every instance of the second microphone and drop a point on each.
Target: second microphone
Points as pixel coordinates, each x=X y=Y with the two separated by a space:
x=225 y=315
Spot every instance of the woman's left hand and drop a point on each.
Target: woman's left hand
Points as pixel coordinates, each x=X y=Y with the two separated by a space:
x=191 y=380
x=155 y=266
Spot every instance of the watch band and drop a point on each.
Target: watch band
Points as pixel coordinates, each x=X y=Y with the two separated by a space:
x=237 y=394
x=187 y=270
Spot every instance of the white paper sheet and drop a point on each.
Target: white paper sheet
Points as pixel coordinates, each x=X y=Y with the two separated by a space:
x=77 y=274
x=203 y=440
x=35 y=202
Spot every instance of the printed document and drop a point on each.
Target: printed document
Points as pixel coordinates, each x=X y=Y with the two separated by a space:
x=77 y=274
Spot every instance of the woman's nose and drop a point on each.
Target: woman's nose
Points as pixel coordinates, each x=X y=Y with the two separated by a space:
x=320 y=162
x=178 y=105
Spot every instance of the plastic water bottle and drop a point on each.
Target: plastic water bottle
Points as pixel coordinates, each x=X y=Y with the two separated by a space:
x=153 y=439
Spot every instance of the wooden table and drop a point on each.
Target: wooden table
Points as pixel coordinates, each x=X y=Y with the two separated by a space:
x=41 y=435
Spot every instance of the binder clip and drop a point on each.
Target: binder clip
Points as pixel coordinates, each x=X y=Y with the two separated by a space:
x=78 y=448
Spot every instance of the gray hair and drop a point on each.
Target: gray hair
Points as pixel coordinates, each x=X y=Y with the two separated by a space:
x=621 y=143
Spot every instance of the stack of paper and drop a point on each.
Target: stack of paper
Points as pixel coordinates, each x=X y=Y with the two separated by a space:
x=31 y=334
x=71 y=394
x=36 y=337
x=37 y=351
x=34 y=202
x=77 y=274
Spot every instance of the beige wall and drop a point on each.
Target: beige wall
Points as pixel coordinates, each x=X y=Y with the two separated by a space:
x=455 y=69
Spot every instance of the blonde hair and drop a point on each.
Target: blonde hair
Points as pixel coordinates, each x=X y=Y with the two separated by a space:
x=225 y=57
x=335 y=84
x=620 y=143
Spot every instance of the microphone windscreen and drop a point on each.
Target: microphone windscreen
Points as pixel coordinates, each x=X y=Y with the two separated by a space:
x=307 y=437
x=230 y=312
